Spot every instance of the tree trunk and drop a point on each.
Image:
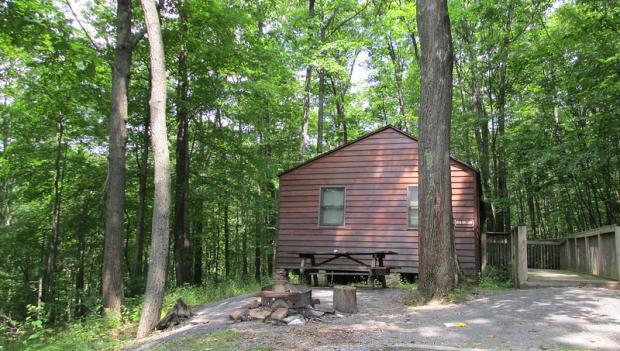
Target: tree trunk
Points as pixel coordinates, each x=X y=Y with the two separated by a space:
x=112 y=284
x=138 y=255
x=49 y=289
x=307 y=91
x=181 y=238
x=319 y=138
x=398 y=79
x=244 y=249
x=197 y=235
x=226 y=242
x=158 y=259
x=438 y=265
x=80 y=308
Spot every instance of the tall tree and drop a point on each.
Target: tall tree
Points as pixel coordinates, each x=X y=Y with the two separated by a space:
x=158 y=259
x=112 y=275
x=182 y=251
x=438 y=266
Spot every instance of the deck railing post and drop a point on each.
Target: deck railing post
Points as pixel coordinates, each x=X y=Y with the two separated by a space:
x=521 y=247
x=484 y=253
x=617 y=242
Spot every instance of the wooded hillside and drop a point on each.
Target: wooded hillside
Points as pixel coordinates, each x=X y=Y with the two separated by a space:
x=255 y=87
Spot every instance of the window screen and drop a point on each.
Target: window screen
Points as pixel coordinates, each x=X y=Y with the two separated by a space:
x=332 y=206
x=412 y=201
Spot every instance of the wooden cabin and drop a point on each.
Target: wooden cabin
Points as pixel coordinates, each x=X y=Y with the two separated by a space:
x=363 y=196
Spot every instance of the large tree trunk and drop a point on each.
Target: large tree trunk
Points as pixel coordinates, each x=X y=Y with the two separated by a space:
x=438 y=266
x=112 y=284
x=158 y=259
x=182 y=250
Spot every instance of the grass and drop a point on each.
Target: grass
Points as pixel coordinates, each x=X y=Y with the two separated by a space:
x=491 y=279
x=95 y=333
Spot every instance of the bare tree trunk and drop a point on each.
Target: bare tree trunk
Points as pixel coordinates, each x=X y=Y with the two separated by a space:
x=158 y=259
x=112 y=284
x=182 y=250
x=438 y=266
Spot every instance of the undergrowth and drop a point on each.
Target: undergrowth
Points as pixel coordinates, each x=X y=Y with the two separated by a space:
x=492 y=279
x=93 y=332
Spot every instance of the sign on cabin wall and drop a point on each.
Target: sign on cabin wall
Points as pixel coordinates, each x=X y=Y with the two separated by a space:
x=463 y=222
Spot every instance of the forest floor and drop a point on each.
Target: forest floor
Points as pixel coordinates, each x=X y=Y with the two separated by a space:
x=535 y=319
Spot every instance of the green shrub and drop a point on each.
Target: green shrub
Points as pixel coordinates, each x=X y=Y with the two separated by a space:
x=94 y=332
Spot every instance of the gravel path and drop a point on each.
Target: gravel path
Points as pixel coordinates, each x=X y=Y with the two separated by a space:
x=535 y=319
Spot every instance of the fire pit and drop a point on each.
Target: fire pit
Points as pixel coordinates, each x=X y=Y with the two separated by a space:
x=286 y=295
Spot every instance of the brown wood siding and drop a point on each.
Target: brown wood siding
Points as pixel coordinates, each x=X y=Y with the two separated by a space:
x=376 y=172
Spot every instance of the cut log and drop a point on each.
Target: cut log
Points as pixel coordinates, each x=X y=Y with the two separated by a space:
x=239 y=314
x=279 y=314
x=345 y=299
x=260 y=313
x=176 y=315
x=280 y=303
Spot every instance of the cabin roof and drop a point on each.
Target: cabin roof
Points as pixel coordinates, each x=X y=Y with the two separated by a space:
x=377 y=131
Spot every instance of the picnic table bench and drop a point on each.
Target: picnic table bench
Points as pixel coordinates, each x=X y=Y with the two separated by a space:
x=376 y=269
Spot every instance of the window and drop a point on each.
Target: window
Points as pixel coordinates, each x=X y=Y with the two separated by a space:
x=332 y=207
x=412 y=201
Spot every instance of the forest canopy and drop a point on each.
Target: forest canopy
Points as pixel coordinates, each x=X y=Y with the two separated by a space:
x=255 y=87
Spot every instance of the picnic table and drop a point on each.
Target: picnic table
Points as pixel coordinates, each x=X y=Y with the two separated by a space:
x=376 y=269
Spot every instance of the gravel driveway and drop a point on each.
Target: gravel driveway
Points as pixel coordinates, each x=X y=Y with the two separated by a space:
x=535 y=319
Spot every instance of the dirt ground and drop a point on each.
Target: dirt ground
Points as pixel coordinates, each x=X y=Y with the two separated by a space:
x=535 y=319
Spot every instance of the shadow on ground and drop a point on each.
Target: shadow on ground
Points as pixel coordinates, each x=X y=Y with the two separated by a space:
x=549 y=318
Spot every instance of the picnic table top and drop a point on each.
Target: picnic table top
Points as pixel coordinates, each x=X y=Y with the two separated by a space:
x=348 y=253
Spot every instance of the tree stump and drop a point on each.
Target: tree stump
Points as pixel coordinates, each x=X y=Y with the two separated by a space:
x=345 y=299
x=177 y=314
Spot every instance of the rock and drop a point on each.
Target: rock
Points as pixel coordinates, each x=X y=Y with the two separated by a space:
x=279 y=303
x=315 y=313
x=279 y=314
x=297 y=322
x=199 y=320
x=253 y=304
x=324 y=308
x=316 y=301
x=239 y=314
x=289 y=319
x=260 y=313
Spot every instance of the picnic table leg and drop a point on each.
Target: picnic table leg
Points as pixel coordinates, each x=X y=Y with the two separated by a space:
x=383 y=281
x=314 y=278
x=302 y=272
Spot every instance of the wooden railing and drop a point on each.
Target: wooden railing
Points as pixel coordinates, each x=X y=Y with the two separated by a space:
x=595 y=252
x=506 y=250
x=543 y=254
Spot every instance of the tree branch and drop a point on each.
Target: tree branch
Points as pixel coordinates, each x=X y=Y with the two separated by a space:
x=77 y=19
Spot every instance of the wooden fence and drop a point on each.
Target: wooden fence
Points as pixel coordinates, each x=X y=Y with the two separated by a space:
x=543 y=254
x=595 y=252
x=506 y=250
